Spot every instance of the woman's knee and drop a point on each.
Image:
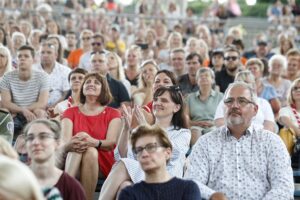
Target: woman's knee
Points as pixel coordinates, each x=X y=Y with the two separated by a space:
x=91 y=154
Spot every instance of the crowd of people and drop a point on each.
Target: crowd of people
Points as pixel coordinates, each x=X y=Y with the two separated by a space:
x=164 y=108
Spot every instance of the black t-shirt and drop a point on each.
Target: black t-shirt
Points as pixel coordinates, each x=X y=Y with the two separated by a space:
x=223 y=79
x=174 y=189
x=118 y=91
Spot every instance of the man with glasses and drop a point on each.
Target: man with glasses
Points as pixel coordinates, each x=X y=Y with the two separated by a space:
x=98 y=44
x=232 y=64
x=240 y=160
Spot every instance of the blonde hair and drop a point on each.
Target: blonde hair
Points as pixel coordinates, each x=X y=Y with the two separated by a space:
x=141 y=81
x=255 y=61
x=174 y=34
x=7 y=150
x=18 y=180
x=120 y=68
x=290 y=98
x=4 y=50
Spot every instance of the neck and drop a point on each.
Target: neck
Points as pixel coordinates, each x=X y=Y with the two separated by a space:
x=44 y=170
x=238 y=131
x=192 y=80
x=132 y=68
x=76 y=97
x=164 y=122
x=91 y=103
x=159 y=176
x=114 y=73
x=232 y=73
x=205 y=90
x=274 y=77
x=2 y=71
x=297 y=104
x=86 y=49
x=48 y=67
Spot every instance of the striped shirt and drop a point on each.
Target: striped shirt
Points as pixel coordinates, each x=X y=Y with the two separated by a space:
x=24 y=93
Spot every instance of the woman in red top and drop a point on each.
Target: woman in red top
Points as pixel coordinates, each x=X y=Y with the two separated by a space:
x=90 y=132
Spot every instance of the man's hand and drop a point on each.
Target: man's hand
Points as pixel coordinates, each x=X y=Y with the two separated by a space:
x=30 y=116
x=218 y=196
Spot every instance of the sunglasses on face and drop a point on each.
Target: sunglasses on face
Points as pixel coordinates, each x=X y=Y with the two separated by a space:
x=234 y=58
x=96 y=44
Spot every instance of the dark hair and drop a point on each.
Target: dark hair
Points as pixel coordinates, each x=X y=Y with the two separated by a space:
x=105 y=95
x=27 y=47
x=178 y=119
x=99 y=35
x=192 y=55
x=77 y=71
x=238 y=42
x=170 y=74
x=230 y=48
x=4 y=42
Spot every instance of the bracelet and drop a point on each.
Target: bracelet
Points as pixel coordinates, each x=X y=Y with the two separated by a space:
x=99 y=144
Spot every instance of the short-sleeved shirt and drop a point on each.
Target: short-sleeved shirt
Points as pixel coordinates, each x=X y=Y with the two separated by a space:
x=186 y=86
x=118 y=91
x=288 y=112
x=203 y=110
x=70 y=188
x=223 y=79
x=25 y=93
x=59 y=83
x=268 y=93
x=96 y=126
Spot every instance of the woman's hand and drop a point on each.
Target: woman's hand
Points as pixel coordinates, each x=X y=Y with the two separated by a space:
x=139 y=115
x=81 y=141
x=126 y=113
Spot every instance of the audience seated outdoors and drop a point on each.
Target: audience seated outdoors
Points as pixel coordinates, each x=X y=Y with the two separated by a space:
x=153 y=150
x=201 y=105
x=42 y=140
x=239 y=158
x=90 y=133
x=168 y=111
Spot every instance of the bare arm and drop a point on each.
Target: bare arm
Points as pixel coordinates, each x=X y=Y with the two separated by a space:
x=285 y=121
x=269 y=125
x=8 y=104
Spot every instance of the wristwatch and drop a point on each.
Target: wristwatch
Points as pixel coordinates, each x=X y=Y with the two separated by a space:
x=99 y=144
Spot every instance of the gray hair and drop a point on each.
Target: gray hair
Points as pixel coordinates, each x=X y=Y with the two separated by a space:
x=280 y=58
x=244 y=85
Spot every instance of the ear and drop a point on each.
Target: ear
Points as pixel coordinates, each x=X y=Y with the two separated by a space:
x=255 y=107
x=176 y=108
x=168 y=153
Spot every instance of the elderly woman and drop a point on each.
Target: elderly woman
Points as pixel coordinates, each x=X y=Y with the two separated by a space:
x=42 y=140
x=143 y=95
x=5 y=60
x=202 y=105
x=168 y=112
x=158 y=152
x=265 y=91
x=277 y=66
x=90 y=132
x=264 y=116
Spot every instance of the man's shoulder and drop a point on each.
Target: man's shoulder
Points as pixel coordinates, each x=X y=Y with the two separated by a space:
x=62 y=68
x=183 y=78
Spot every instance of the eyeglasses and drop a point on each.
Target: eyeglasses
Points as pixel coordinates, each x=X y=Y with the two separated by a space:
x=241 y=101
x=96 y=44
x=296 y=89
x=234 y=58
x=86 y=38
x=40 y=136
x=150 y=148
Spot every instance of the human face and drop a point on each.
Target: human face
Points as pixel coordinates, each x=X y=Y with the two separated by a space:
x=92 y=87
x=205 y=79
x=193 y=65
x=163 y=106
x=99 y=64
x=3 y=60
x=148 y=73
x=239 y=114
x=18 y=42
x=54 y=42
x=52 y=27
x=262 y=50
x=112 y=62
x=25 y=62
x=218 y=60
x=255 y=70
x=71 y=40
x=76 y=80
x=192 y=46
x=48 y=55
x=175 y=42
x=276 y=68
x=40 y=143
x=97 y=44
x=177 y=61
x=293 y=66
x=132 y=58
x=153 y=159
x=86 y=39
x=296 y=92
x=232 y=61
x=161 y=80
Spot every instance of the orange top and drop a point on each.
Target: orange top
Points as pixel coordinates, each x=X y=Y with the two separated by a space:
x=74 y=58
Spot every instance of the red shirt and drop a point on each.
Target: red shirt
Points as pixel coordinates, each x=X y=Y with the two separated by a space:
x=96 y=126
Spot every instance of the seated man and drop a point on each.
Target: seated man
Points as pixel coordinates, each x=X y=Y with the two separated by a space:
x=25 y=91
x=240 y=160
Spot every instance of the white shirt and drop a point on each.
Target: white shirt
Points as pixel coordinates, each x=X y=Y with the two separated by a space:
x=257 y=166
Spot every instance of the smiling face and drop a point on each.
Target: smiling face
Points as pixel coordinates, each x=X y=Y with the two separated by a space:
x=293 y=66
x=92 y=87
x=163 y=106
x=148 y=73
x=112 y=62
x=160 y=80
x=40 y=143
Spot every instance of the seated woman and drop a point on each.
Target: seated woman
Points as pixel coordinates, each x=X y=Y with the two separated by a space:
x=264 y=117
x=158 y=181
x=90 y=132
x=202 y=105
x=42 y=140
x=289 y=116
x=143 y=95
x=168 y=112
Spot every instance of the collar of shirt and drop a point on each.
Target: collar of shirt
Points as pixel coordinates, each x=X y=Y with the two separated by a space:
x=212 y=93
x=228 y=136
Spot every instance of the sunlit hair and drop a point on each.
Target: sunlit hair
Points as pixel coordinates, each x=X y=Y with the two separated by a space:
x=18 y=180
x=18 y=34
x=281 y=59
x=105 y=96
x=141 y=80
x=244 y=85
x=137 y=50
x=170 y=38
x=178 y=119
x=52 y=124
x=293 y=52
x=255 y=61
x=203 y=70
x=7 y=150
x=5 y=51
x=120 y=68
x=290 y=99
